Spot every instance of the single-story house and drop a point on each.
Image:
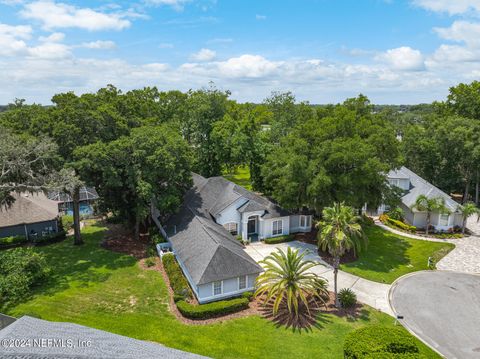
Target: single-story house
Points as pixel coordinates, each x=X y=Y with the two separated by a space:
x=414 y=186
x=202 y=235
x=30 y=215
x=45 y=339
x=88 y=196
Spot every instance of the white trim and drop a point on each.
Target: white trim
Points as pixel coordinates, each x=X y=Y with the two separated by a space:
x=227 y=226
x=246 y=282
x=221 y=288
x=273 y=225
x=224 y=295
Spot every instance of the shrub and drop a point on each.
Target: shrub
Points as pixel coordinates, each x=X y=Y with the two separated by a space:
x=347 y=298
x=367 y=221
x=380 y=342
x=397 y=224
x=214 y=309
x=49 y=238
x=280 y=239
x=67 y=222
x=178 y=282
x=157 y=238
x=150 y=262
x=248 y=295
x=152 y=251
x=20 y=270
x=9 y=241
x=397 y=214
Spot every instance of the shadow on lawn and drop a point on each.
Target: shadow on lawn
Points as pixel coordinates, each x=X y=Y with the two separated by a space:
x=82 y=265
x=385 y=251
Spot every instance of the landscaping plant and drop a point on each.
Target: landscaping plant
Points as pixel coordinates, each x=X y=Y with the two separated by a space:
x=288 y=279
x=347 y=298
x=429 y=205
x=339 y=232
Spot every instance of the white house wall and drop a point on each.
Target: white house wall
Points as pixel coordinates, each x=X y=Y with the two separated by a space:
x=230 y=214
x=268 y=226
x=229 y=289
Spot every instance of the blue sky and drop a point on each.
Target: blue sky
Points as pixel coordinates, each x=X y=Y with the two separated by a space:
x=393 y=51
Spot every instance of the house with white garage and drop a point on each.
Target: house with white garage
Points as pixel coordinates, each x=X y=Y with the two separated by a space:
x=203 y=235
x=413 y=186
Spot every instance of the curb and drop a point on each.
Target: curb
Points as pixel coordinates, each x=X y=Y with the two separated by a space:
x=390 y=294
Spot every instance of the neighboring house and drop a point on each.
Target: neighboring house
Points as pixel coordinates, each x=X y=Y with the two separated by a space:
x=30 y=215
x=46 y=339
x=88 y=196
x=414 y=186
x=202 y=235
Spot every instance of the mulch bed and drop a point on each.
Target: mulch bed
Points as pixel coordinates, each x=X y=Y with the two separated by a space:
x=120 y=239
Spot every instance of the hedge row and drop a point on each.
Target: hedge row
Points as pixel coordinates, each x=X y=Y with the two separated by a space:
x=178 y=282
x=49 y=238
x=280 y=239
x=380 y=342
x=214 y=309
x=10 y=241
x=398 y=224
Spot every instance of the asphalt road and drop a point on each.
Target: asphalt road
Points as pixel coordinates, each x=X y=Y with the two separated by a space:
x=443 y=309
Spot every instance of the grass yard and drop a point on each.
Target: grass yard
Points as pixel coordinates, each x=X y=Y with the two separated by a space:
x=240 y=176
x=389 y=256
x=109 y=291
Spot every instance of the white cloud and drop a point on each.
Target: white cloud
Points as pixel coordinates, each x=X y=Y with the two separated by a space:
x=248 y=66
x=452 y=7
x=12 y=39
x=59 y=15
x=260 y=17
x=204 y=55
x=403 y=58
x=461 y=31
x=455 y=53
x=53 y=37
x=176 y=4
x=49 y=50
x=99 y=44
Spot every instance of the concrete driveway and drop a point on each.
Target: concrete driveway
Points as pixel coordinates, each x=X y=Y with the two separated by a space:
x=372 y=293
x=443 y=309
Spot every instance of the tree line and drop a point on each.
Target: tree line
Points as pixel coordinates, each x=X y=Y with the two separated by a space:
x=140 y=146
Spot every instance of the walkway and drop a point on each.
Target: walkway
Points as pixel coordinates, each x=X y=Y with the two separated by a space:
x=464 y=258
x=371 y=293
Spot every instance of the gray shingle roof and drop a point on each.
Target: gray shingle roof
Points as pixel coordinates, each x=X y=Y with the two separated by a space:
x=420 y=186
x=102 y=344
x=28 y=208
x=207 y=250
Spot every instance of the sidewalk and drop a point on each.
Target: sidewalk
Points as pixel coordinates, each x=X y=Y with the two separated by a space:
x=371 y=293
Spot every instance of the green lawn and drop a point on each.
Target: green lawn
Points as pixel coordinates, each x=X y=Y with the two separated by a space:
x=240 y=176
x=389 y=256
x=109 y=291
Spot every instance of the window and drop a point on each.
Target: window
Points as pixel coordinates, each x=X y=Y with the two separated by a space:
x=277 y=227
x=242 y=282
x=232 y=227
x=304 y=221
x=443 y=220
x=217 y=288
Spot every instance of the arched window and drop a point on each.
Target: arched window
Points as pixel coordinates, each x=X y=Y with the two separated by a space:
x=232 y=227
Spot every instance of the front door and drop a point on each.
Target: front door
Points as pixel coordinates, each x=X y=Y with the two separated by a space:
x=252 y=225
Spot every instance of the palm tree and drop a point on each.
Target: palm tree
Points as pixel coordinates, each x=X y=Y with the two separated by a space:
x=429 y=205
x=287 y=277
x=340 y=232
x=467 y=210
